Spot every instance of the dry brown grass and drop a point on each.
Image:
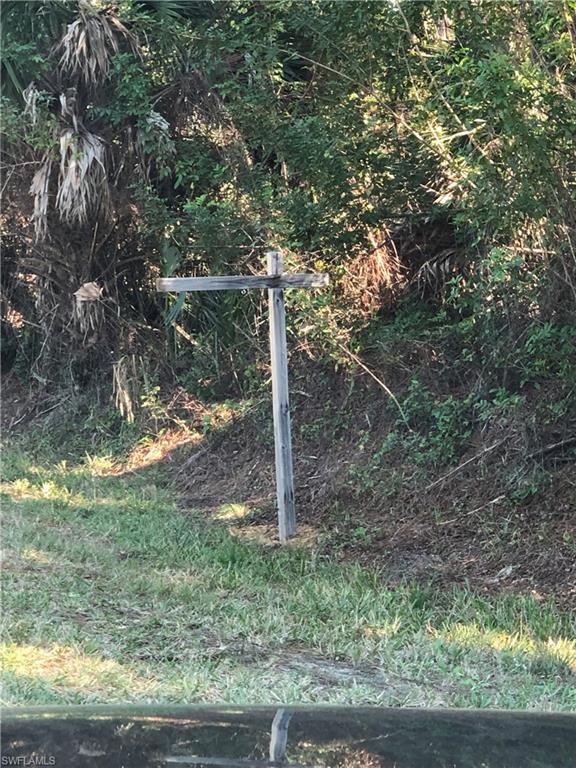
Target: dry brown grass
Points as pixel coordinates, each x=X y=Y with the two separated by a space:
x=373 y=279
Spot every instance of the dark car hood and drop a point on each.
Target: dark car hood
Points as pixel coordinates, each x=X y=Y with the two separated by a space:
x=142 y=737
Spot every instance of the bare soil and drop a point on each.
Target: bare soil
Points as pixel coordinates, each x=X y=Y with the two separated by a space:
x=500 y=518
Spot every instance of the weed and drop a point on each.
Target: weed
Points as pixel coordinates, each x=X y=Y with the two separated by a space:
x=440 y=425
x=526 y=483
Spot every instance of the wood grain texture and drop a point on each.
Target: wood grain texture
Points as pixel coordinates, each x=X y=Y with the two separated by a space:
x=281 y=403
x=240 y=282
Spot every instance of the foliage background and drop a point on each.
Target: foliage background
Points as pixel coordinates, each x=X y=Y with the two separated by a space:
x=423 y=153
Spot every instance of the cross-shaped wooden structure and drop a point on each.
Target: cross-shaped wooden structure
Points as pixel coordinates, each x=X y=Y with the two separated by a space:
x=275 y=281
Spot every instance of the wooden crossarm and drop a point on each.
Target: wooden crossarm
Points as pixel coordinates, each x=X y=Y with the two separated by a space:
x=239 y=282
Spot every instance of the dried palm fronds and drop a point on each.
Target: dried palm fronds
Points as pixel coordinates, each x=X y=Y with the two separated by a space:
x=433 y=274
x=88 y=292
x=430 y=253
x=87 y=314
x=68 y=104
x=125 y=384
x=89 y=42
x=39 y=189
x=30 y=96
x=82 y=183
x=374 y=279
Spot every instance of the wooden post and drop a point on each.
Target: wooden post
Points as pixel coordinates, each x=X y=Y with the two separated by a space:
x=280 y=402
x=275 y=281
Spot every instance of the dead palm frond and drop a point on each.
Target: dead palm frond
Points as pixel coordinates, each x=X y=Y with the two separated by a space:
x=87 y=311
x=90 y=42
x=68 y=105
x=30 y=96
x=125 y=386
x=373 y=279
x=39 y=189
x=82 y=182
x=434 y=273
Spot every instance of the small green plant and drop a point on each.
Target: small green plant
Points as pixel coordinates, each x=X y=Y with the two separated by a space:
x=362 y=478
x=499 y=406
x=569 y=540
x=549 y=351
x=441 y=425
x=525 y=484
x=362 y=535
x=390 y=442
x=150 y=400
x=313 y=430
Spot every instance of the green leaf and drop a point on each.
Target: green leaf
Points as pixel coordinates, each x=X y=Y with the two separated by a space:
x=175 y=309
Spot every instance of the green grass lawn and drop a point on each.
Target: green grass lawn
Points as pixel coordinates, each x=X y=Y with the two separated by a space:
x=114 y=594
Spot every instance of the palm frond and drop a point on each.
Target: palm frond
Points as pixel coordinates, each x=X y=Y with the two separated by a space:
x=175 y=309
x=22 y=21
x=433 y=274
x=198 y=10
x=39 y=189
x=171 y=257
x=82 y=183
x=89 y=43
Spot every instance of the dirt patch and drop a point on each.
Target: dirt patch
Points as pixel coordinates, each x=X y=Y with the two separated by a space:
x=501 y=518
x=325 y=673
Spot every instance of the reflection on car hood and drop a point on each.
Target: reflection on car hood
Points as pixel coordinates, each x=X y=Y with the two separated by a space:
x=319 y=737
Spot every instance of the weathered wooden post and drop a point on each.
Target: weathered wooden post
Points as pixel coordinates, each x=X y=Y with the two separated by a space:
x=275 y=281
x=281 y=402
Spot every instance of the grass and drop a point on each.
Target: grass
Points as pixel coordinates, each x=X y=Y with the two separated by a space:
x=114 y=594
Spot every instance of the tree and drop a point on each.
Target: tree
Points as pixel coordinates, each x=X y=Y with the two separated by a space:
x=399 y=144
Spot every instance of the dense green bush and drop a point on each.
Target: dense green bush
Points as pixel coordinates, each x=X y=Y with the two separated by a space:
x=423 y=153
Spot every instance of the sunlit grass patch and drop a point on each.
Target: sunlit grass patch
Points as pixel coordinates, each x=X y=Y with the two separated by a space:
x=72 y=674
x=34 y=555
x=232 y=512
x=386 y=629
x=561 y=650
x=23 y=488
